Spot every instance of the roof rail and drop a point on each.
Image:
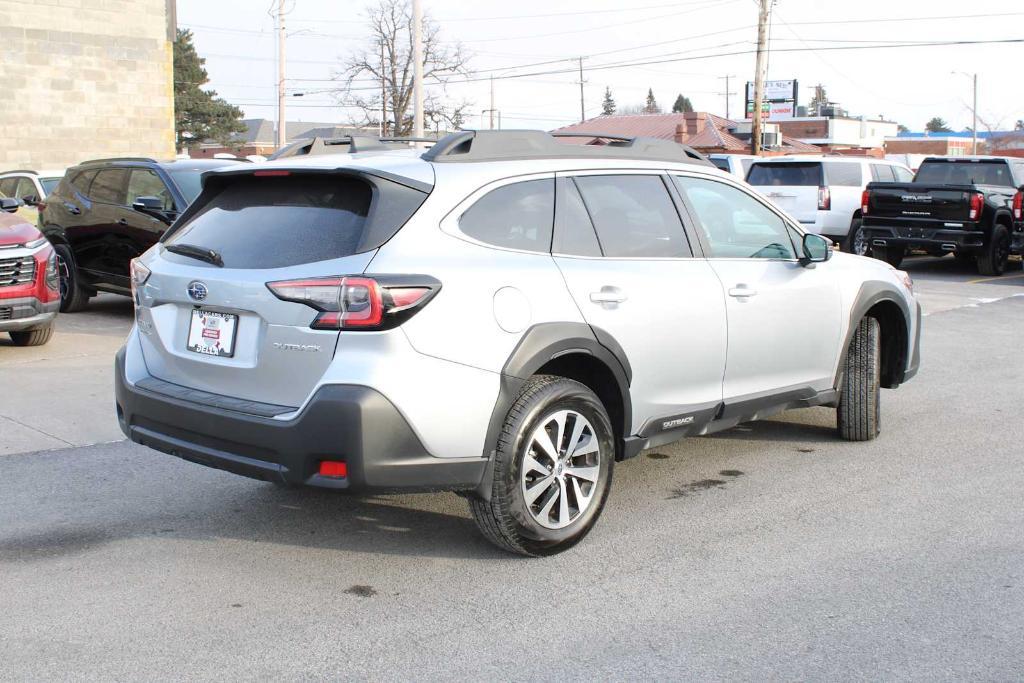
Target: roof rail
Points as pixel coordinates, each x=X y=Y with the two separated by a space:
x=506 y=145
x=97 y=161
x=20 y=170
x=356 y=144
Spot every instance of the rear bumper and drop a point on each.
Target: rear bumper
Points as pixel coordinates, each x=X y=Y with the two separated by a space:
x=26 y=313
x=353 y=423
x=931 y=238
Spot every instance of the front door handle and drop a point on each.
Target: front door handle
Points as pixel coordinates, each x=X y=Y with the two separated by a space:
x=608 y=296
x=122 y=221
x=72 y=209
x=741 y=291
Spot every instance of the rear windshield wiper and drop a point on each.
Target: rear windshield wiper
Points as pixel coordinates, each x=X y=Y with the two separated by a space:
x=201 y=253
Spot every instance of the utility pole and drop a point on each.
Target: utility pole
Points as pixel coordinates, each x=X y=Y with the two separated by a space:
x=383 y=94
x=728 y=92
x=282 y=138
x=974 y=125
x=491 y=110
x=417 y=71
x=583 y=112
x=762 y=25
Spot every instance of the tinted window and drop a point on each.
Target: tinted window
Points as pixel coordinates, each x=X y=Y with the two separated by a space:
x=735 y=224
x=634 y=216
x=882 y=173
x=902 y=174
x=49 y=184
x=146 y=183
x=516 y=216
x=81 y=181
x=847 y=174
x=272 y=222
x=786 y=173
x=574 y=233
x=719 y=162
x=25 y=188
x=965 y=173
x=109 y=186
x=189 y=182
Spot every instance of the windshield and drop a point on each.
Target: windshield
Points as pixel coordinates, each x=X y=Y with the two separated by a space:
x=965 y=173
x=787 y=173
x=49 y=184
x=188 y=181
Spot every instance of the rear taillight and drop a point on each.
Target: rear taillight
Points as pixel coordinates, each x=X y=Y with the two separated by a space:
x=1018 y=206
x=359 y=303
x=865 y=199
x=977 y=204
x=824 y=199
x=138 y=274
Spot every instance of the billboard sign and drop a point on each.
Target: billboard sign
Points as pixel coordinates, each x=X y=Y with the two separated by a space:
x=779 y=102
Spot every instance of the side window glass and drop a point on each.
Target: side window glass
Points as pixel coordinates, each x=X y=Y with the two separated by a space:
x=7 y=186
x=634 y=216
x=839 y=173
x=109 y=186
x=25 y=188
x=736 y=225
x=902 y=174
x=882 y=173
x=146 y=183
x=516 y=216
x=81 y=182
x=574 y=233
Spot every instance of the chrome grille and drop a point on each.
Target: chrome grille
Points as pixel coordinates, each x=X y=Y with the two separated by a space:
x=5 y=313
x=17 y=271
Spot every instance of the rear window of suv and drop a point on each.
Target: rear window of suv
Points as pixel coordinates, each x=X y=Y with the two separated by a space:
x=786 y=174
x=275 y=222
x=965 y=173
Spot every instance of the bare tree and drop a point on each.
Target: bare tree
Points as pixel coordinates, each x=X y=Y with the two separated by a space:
x=376 y=79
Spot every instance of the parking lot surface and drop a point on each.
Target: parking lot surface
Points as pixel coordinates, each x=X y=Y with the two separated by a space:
x=773 y=550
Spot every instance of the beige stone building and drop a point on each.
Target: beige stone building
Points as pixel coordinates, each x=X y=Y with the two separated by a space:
x=81 y=79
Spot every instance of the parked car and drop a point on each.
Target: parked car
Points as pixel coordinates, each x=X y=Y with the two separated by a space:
x=106 y=212
x=824 y=192
x=504 y=315
x=29 y=295
x=737 y=164
x=31 y=187
x=967 y=206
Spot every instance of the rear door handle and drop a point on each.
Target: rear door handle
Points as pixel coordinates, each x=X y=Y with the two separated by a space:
x=122 y=221
x=608 y=295
x=741 y=291
x=72 y=209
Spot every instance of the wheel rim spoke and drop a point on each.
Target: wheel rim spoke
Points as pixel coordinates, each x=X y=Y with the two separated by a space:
x=531 y=464
x=586 y=473
x=563 y=503
x=537 y=489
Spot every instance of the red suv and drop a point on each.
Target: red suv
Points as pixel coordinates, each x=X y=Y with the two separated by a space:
x=29 y=285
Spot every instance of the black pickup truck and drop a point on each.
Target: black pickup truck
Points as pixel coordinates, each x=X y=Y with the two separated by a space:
x=970 y=206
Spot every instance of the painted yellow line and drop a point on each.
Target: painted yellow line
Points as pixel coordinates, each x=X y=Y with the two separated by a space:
x=991 y=279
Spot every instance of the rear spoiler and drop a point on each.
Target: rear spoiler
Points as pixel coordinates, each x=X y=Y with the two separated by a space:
x=349 y=144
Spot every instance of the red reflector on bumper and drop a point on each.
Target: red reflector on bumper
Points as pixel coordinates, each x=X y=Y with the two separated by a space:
x=333 y=468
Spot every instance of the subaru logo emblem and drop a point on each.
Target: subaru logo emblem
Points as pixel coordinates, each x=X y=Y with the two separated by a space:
x=197 y=290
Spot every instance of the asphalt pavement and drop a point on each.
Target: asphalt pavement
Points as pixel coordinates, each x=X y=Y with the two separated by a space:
x=771 y=551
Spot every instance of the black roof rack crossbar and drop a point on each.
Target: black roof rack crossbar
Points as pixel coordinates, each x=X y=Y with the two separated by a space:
x=356 y=144
x=508 y=145
x=20 y=170
x=98 y=161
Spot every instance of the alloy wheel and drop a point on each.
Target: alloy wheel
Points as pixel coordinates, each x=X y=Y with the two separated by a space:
x=560 y=469
x=64 y=277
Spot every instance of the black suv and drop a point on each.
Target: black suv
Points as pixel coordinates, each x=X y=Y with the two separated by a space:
x=106 y=212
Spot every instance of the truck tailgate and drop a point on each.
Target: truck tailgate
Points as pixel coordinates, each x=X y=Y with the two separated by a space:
x=910 y=201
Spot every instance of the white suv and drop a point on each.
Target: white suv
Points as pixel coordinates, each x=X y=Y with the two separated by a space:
x=824 y=192
x=504 y=315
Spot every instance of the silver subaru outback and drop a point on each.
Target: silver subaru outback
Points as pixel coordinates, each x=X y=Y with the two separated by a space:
x=505 y=315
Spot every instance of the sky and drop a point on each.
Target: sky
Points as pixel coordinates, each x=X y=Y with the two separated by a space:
x=684 y=47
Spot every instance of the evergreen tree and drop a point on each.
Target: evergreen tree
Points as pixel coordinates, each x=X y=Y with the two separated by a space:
x=651 y=107
x=682 y=105
x=199 y=114
x=608 y=105
x=937 y=125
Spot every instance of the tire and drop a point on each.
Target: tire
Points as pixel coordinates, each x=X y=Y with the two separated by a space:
x=858 y=417
x=73 y=296
x=36 y=337
x=855 y=242
x=891 y=255
x=992 y=260
x=548 y=405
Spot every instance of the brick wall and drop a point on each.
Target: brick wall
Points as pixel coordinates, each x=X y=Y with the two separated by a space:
x=926 y=146
x=83 y=79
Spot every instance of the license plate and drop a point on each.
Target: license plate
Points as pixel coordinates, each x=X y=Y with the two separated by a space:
x=212 y=333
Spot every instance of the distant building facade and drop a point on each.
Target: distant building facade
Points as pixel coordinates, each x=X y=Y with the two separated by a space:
x=85 y=79
x=839 y=133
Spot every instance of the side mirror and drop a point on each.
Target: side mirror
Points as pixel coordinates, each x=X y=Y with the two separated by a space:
x=9 y=204
x=817 y=249
x=152 y=206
